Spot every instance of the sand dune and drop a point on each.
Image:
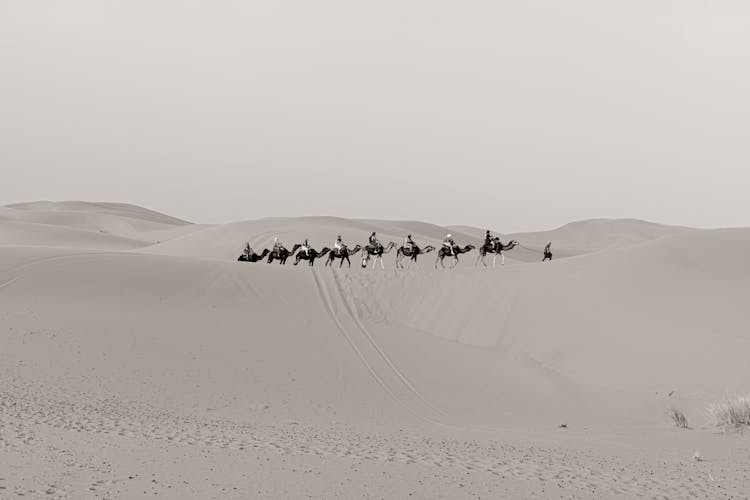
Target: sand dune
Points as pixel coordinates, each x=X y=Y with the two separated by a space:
x=131 y=368
x=106 y=226
x=582 y=237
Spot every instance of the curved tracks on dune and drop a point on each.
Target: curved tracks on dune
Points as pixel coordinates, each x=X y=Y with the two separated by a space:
x=352 y=310
x=370 y=354
x=50 y=258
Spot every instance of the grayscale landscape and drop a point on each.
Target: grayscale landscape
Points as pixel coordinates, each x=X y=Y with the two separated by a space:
x=389 y=250
x=140 y=358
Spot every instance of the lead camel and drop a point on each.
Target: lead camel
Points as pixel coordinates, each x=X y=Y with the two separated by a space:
x=494 y=247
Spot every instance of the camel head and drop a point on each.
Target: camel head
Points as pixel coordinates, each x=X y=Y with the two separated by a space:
x=324 y=251
x=356 y=249
x=264 y=253
x=428 y=249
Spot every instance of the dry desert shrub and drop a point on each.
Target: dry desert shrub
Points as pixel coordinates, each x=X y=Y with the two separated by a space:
x=732 y=413
x=678 y=417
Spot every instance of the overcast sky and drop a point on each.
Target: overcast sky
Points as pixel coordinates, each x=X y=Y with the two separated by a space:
x=516 y=115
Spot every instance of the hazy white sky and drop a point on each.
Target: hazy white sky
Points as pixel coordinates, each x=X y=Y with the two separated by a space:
x=509 y=114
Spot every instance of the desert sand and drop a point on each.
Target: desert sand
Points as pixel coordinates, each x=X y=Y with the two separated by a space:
x=139 y=358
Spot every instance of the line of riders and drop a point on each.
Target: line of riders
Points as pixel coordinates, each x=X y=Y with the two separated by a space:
x=375 y=250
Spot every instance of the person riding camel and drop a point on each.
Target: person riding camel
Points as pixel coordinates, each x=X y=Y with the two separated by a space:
x=276 y=245
x=374 y=240
x=248 y=250
x=306 y=248
x=339 y=245
x=409 y=244
x=489 y=242
x=449 y=243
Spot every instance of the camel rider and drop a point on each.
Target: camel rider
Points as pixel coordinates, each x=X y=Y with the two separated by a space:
x=276 y=245
x=488 y=242
x=374 y=240
x=248 y=250
x=306 y=248
x=339 y=245
x=449 y=243
x=409 y=244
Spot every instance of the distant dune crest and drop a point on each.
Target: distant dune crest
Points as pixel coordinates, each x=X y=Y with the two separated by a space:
x=111 y=226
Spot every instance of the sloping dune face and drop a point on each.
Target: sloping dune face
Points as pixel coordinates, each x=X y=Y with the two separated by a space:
x=582 y=237
x=106 y=226
x=131 y=334
x=672 y=307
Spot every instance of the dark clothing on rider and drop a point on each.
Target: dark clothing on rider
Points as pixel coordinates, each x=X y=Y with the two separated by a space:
x=547 y=252
x=489 y=243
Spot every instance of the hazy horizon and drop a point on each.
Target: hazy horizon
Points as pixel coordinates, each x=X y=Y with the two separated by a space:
x=518 y=117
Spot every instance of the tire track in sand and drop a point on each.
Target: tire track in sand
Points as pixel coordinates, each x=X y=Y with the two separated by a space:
x=352 y=310
x=327 y=301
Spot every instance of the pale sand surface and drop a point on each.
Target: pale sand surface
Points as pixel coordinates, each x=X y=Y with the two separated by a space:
x=138 y=358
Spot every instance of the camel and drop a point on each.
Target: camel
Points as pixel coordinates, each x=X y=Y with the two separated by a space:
x=342 y=254
x=253 y=257
x=310 y=255
x=494 y=247
x=376 y=252
x=457 y=250
x=281 y=253
x=412 y=254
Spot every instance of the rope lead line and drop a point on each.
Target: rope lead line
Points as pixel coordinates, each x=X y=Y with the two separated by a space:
x=531 y=249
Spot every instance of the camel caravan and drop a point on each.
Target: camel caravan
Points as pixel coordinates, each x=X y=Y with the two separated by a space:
x=374 y=250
